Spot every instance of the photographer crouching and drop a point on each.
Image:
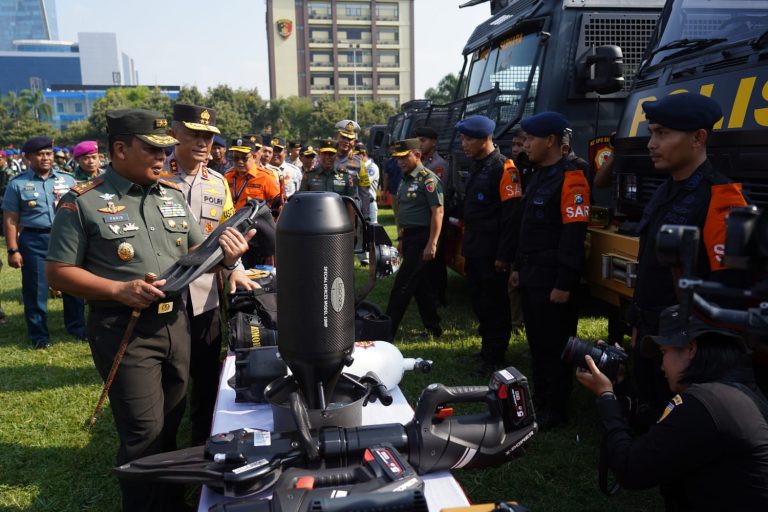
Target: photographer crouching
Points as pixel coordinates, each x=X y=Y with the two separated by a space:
x=709 y=448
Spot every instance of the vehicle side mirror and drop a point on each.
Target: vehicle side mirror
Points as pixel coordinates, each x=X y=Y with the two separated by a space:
x=600 y=70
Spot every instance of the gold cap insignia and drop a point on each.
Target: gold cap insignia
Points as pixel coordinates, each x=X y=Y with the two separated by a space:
x=275 y=141
x=350 y=127
x=253 y=139
x=161 y=123
x=205 y=117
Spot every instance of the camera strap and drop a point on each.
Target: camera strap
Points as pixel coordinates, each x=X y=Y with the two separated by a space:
x=758 y=399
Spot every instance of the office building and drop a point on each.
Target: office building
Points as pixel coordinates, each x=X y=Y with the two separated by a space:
x=355 y=49
x=27 y=19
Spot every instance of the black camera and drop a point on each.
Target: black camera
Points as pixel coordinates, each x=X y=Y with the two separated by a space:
x=606 y=357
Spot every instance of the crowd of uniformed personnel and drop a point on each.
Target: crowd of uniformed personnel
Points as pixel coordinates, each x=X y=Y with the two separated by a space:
x=94 y=227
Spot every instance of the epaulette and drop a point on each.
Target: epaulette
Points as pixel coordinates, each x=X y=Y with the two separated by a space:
x=82 y=188
x=169 y=184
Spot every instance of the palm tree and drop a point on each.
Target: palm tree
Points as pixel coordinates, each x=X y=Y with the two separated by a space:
x=13 y=104
x=36 y=104
x=445 y=90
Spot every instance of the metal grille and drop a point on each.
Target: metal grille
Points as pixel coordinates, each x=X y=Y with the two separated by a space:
x=630 y=32
x=703 y=25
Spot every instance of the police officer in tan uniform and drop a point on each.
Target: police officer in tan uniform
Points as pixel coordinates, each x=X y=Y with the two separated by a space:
x=108 y=233
x=208 y=197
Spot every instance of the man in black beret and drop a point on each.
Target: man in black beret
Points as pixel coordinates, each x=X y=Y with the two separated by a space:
x=696 y=194
x=550 y=254
x=29 y=206
x=491 y=192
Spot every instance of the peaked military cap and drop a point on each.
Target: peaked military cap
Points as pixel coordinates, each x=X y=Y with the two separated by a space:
x=294 y=144
x=308 y=151
x=348 y=128
x=425 y=131
x=478 y=127
x=243 y=145
x=35 y=144
x=360 y=148
x=405 y=146
x=277 y=142
x=201 y=119
x=257 y=140
x=545 y=123
x=147 y=125
x=686 y=112
x=327 y=146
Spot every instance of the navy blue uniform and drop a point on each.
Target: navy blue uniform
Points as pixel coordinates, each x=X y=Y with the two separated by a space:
x=491 y=191
x=550 y=255
x=34 y=199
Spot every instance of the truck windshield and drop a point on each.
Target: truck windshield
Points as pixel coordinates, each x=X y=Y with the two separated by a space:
x=692 y=25
x=508 y=64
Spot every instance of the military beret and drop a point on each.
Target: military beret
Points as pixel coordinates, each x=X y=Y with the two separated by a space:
x=146 y=125
x=200 y=119
x=478 y=127
x=545 y=123
x=403 y=147
x=685 y=112
x=425 y=131
x=327 y=146
x=85 y=147
x=36 y=144
x=218 y=140
x=278 y=142
x=308 y=151
x=348 y=128
x=244 y=144
x=8 y=152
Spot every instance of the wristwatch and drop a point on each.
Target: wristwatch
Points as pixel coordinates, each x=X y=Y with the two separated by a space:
x=233 y=266
x=12 y=251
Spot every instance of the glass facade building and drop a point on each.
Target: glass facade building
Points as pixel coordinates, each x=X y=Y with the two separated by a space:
x=27 y=19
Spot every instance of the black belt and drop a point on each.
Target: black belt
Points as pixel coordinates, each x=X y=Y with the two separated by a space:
x=158 y=308
x=412 y=230
x=36 y=230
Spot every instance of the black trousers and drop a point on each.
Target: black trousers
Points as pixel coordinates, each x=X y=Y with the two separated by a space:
x=490 y=302
x=414 y=279
x=653 y=391
x=548 y=327
x=204 y=370
x=148 y=393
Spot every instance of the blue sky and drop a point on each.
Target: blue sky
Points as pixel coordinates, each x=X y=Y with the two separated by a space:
x=204 y=43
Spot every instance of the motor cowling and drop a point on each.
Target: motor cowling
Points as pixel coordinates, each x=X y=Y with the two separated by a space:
x=316 y=302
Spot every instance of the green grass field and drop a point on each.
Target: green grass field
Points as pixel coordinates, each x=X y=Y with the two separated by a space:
x=49 y=463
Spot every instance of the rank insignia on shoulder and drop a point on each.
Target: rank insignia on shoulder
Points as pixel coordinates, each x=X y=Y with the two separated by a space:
x=168 y=184
x=130 y=227
x=115 y=228
x=107 y=197
x=82 y=188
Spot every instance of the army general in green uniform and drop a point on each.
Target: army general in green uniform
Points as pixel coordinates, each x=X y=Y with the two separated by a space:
x=420 y=217
x=109 y=232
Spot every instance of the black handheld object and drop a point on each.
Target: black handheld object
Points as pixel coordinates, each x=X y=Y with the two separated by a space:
x=209 y=253
x=606 y=358
x=381 y=480
x=316 y=303
x=245 y=461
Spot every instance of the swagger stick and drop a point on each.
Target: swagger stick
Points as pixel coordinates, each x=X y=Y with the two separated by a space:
x=150 y=278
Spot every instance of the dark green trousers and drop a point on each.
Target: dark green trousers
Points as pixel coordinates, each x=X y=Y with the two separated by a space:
x=148 y=393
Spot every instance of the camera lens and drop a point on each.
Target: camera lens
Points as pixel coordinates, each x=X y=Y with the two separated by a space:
x=606 y=358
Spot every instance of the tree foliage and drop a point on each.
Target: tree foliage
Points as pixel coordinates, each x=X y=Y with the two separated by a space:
x=239 y=112
x=444 y=91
